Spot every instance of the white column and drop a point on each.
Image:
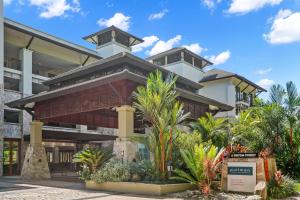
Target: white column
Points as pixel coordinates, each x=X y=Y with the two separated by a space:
x=1 y=83
x=26 y=82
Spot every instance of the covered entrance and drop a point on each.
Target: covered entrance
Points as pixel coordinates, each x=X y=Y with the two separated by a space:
x=11 y=157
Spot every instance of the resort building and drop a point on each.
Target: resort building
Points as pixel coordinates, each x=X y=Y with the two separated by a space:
x=81 y=96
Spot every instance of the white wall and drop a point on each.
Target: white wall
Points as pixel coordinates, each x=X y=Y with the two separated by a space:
x=111 y=48
x=222 y=91
x=186 y=70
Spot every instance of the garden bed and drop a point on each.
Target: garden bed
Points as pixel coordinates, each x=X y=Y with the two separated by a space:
x=139 y=188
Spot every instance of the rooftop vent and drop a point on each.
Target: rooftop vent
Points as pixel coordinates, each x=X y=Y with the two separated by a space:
x=112 y=40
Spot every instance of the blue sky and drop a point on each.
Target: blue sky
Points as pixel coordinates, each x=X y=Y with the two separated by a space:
x=259 y=39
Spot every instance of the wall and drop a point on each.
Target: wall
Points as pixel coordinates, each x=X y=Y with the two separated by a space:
x=111 y=49
x=1 y=84
x=186 y=70
x=223 y=91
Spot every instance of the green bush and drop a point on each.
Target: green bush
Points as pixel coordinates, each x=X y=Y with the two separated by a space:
x=144 y=169
x=281 y=186
x=112 y=171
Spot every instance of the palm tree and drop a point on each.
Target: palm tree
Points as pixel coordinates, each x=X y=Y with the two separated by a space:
x=211 y=128
x=277 y=93
x=156 y=104
x=292 y=105
x=92 y=157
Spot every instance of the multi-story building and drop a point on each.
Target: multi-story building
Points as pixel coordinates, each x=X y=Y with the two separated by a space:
x=226 y=87
x=36 y=67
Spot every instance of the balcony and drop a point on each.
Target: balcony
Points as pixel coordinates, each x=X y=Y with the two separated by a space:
x=244 y=99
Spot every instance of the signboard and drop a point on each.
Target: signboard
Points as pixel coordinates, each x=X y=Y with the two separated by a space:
x=243 y=155
x=241 y=176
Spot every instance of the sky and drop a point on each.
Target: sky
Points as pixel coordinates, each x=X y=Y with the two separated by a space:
x=258 y=39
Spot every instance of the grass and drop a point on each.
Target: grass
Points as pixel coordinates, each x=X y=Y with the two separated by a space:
x=298 y=186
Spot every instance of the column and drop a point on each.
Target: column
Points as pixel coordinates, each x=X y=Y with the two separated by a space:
x=25 y=56
x=124 y=148
x=35 y=164
x=1 y=85
x=56 y=155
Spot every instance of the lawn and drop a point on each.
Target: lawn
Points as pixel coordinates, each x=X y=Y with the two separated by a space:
x=298 y=186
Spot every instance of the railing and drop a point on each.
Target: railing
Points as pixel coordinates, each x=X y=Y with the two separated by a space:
x=244 y=98
x=12 y=63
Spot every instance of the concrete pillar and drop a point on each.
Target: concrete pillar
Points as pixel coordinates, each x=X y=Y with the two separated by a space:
x=26 y=66
x=1 y=85
x=35 y=164
x=125 y=121
x=124 y=148
x=56 y=155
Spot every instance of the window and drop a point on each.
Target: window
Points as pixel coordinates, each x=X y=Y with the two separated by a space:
x=50 y=156
x=198 y=63
x=11 y=116
x=188 y=58
x=66 y=156
x=122 y=39
x=160 y=61
x=104 y=38
x=174 y=57
x=11 y=84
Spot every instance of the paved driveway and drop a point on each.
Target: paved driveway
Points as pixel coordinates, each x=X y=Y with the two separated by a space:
x=15 y=189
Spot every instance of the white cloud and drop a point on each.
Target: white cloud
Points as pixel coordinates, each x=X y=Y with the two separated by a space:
x=158 y=15
x=264 y=71
x=7 y=2
x=210 y=3
x=246 y=6
x=119 y=20
x=285 y=28
x=195 y=47
x=161 y=45
x=55 y=8
x=148 y=41
x=220 y=58
x=265 y=83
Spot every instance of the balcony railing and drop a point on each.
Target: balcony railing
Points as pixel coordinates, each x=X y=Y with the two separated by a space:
x=244 y=98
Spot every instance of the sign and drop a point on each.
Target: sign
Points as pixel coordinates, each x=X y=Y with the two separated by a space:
x=245 y=171
x=243 y=155
x=241 y=176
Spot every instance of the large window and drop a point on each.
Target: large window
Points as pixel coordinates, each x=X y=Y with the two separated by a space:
x=188 y=58
x=104 y=38
x=174 y=57
x=11 y=84
x=123 y=39
x=11 y=116
x=160 y=61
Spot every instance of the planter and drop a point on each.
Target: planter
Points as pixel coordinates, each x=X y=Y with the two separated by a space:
x=139 y=188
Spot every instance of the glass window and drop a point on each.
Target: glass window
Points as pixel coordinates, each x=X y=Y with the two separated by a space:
x=198 y=63
x=123 y=39
x=188 y=58
x=104 y=38
x=11 y=116
x=160 y=61
x=174 y=57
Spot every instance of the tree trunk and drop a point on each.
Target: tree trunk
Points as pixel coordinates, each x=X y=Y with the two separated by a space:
x=291 y=135
x=171 y=144
x=162 y=162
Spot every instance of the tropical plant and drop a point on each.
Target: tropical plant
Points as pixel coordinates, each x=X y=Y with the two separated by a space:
x=156 y=104
x=281 y=186
x=113 y=171
x=212 y=129
x=201 y=163
x=92 y=158
x=143 y=169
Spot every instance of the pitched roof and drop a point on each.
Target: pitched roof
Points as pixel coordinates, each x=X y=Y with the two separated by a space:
x=218 y=74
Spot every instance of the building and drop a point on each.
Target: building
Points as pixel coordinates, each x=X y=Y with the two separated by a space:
x=82 y=95
x=226 y=87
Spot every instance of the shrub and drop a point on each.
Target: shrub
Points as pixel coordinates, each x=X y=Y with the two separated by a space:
x=112 y=171
x=281 y=186
x=144 y=169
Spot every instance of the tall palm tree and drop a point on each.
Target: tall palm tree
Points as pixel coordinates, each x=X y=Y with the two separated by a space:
x=157 y=105
x=292 y=105
x=277 y=94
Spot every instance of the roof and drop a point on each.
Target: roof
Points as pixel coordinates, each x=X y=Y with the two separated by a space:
x=177 y=49
x=91 y=38
x=112 y=61
x=49 y=38
x=125 y=74
x=218 y=74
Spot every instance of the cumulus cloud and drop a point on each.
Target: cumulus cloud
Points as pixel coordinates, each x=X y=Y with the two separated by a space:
x=7 y=2
x=265 y=83
x=220 y=58
x=264 y=71
x=210 y=3
x=246 y=6
x=285 y=28
x=195 y=47
x=161 y=45
x=119 y=20
x=159 y=15
x=148 y=42
x=55 y=8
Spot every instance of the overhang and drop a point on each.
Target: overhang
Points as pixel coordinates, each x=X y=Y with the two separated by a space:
x=23 y=36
